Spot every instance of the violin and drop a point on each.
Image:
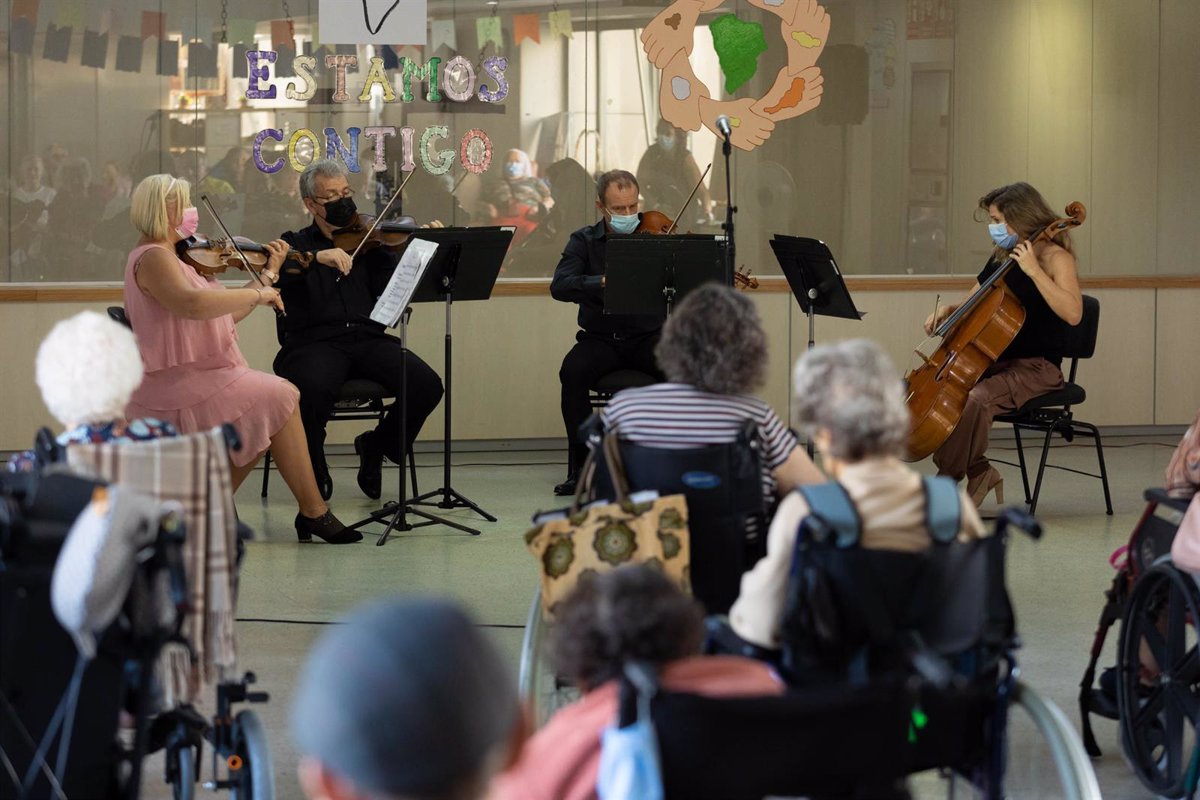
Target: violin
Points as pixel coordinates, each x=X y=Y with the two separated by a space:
x=658 y=223
x=211 y=257
x=366 y=233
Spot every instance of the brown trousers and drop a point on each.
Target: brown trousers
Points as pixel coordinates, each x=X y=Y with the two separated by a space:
x=1005 y=387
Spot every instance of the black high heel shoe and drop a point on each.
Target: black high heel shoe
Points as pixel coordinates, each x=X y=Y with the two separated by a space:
x=326 y=527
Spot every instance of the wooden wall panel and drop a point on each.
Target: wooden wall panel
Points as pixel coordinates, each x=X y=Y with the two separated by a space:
x=1176 y=356
x=1178 y=138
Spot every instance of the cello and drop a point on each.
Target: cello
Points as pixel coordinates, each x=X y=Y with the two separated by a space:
x=973 y=337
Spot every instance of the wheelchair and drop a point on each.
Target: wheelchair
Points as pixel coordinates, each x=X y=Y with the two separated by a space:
x=1157 y=675
x=727 y=522
x=37 y=511
x=934 y=693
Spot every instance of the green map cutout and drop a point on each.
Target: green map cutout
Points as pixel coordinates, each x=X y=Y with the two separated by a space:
x=738 y=45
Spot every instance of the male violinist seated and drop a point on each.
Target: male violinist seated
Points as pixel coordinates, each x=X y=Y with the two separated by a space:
x=328 y=337
x=607 y=342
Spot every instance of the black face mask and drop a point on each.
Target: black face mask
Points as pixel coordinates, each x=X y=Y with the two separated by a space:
x=340 y=213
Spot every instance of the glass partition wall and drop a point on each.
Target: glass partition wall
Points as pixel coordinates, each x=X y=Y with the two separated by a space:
x=512 y=108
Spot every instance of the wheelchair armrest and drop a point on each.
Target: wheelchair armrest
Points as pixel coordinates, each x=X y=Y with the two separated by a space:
x=1160 y=496
x=720 y=639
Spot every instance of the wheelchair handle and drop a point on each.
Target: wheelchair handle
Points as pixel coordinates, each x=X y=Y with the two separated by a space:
x=1022 y=520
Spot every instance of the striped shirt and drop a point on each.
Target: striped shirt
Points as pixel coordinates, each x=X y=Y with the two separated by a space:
x=679 y=416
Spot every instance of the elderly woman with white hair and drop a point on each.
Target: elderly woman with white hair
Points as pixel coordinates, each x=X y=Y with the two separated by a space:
x=87 y=368
x=196 y=375
x=851 y=400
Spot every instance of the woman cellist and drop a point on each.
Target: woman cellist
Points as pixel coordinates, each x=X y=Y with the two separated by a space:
x=1047 y=284
x=196 y=376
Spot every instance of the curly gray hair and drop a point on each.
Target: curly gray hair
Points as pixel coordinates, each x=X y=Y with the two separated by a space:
x=322 y=167
x=714 y=341
x=851 y=390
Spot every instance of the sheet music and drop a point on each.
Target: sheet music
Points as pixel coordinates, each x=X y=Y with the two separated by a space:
x=400 y=288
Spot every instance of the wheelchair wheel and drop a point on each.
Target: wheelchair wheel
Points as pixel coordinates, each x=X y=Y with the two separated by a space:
x=255 y=780
x=1159 y=673
x=537 y=683
x=181 y=770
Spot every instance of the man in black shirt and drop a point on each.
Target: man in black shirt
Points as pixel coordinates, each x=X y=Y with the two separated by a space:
x=328 y=337
x=608 y=342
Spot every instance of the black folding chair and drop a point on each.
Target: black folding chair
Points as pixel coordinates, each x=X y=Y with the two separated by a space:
x=1052 y=413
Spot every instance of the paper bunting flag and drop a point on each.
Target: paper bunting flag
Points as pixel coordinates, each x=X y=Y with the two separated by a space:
x=560 y=23
x=111 y=19
x=281 y=35
x=58 y=43
x=347 y=50
x=441 y=32
x=285 y=64
x=23 y=24
x=70 y=14
x=129 y=53
x=25 y=9
x=409 y=51
x=487 y=29
x=526 y=26
x=241 y=30
x=168 y=57
x=194 y=27
x=202 y=60
x=390 y=59
x=240 y=67
x=95 y=49
x=154 y=24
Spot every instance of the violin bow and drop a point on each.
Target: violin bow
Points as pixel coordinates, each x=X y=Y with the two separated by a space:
x=690 y=197
x=228 y=235
x=379 y=217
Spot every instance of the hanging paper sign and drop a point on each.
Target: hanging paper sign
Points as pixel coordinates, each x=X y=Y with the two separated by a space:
x=372 y=21
x=487 y=29
x=281 y=34
x=441 y=32
x=526 y=26
x=560 y=23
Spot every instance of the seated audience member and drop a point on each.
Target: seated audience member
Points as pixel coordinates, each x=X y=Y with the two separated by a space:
x=87 y=369
x=406 y=700
x=630 y=613
x=851 y=400
x=713 y=351
x=1183 y=472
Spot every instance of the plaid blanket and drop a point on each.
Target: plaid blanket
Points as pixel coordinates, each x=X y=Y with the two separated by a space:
x=194 y=471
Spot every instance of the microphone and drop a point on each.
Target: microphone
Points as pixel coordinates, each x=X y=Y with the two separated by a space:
x=723 y=126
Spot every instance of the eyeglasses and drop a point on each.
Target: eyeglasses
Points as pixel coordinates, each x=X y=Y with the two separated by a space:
x=330 y=198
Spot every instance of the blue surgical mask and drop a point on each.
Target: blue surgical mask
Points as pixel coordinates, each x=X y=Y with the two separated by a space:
x=666 y=142
x=1001 y=236
x=514 y=169
x=624 y=223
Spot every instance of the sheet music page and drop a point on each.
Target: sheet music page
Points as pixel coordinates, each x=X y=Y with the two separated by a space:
x=400 y=288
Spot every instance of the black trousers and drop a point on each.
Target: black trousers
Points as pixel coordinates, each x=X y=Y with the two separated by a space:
x=593 y=357
x=320 y=368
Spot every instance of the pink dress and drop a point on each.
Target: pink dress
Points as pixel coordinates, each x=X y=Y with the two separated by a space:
x=196 y=375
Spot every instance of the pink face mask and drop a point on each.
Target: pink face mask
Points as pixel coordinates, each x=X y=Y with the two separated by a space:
x=191 y=221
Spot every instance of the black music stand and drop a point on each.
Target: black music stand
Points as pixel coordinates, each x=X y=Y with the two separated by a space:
x=395 y=513
x=649 y=274
x=816 y=282
x=464 y=267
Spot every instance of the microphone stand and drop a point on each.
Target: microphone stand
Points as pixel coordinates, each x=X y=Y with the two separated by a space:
x=730 y=210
